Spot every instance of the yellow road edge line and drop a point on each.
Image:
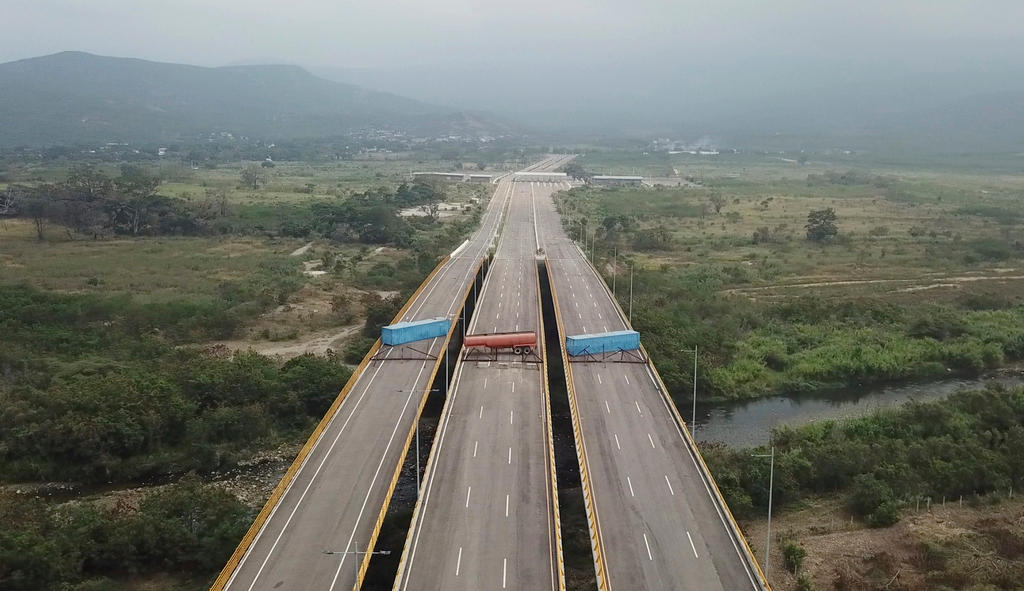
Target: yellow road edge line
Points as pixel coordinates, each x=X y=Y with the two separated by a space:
x=412 y=431
x=663 y=390
x=551 y=440
x=430 y=456
x=275 y=495
x=596 y=544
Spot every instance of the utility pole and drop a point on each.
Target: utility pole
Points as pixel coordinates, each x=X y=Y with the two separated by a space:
x=693 y=419
x=615 y=260
x=771 y=487
x=631 y=296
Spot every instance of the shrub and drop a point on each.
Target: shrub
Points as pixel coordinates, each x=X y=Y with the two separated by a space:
x=793 y=554
x=868 y=494
x=356 y=349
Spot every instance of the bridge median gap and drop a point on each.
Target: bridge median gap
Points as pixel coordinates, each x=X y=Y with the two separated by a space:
x=577 y=553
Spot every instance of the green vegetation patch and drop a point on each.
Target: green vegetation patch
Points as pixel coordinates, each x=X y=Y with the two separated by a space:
x=185 y=527
x=968 y=444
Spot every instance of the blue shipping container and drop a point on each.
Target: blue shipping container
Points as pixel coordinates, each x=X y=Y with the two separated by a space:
x=604 y=342
x=407 y=332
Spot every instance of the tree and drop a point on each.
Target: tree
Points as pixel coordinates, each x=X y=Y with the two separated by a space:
x=717 y=201
x=38 y=207
x=253 y=176
x=9 y=201
x=821 y=225
x=133 y=198
x=432 y=210
x=481 y=165
x=577 y=172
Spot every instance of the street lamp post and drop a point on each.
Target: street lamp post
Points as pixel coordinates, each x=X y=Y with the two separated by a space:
x=693 y=419
x=771 y=487
x=357 y=553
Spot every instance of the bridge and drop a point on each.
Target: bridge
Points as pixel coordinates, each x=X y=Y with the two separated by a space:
x=487 y=512
x=490 y=489
x=656 y=518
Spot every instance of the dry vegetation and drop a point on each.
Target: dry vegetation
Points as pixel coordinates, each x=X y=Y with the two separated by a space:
x=976 y=546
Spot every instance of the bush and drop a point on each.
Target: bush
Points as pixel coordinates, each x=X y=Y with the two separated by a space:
x=145 y=418
x=868 y=494
x=356 y=349
x=379 y=313
x=188 y=526
x=793 y=555
x=967 y=443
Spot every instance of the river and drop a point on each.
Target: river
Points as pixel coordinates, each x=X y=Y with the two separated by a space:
x=748 y=423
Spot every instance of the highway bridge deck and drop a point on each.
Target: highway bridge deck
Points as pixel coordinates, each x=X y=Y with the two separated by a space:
x=488 y=514
x=318 y=524
x=325 y=514
x=657 y=520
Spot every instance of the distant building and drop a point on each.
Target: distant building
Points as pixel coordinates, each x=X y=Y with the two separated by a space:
x=542 y=177
x=617 y=181
x=448 y=177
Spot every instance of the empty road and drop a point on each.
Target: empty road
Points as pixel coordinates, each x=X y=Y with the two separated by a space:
x=487 y=517
x=659 y=523
x=317 y=532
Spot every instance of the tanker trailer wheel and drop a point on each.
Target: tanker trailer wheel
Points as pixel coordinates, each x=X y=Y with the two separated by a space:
x=517 y=350
x=527 y=350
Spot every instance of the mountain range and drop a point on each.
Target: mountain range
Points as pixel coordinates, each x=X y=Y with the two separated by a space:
x=74 y=98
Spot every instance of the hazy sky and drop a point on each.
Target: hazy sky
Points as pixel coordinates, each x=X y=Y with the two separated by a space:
x=496 y=33
x=736 y=62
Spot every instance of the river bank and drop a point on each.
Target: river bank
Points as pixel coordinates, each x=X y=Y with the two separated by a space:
x=749 y=423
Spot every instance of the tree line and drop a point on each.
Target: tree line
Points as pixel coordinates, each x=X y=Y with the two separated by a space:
x=91 y=203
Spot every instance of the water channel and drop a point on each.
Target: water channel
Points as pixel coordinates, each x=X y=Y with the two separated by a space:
x=748 y=423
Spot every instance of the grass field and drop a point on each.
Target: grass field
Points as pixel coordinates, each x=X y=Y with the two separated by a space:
x=776 y=312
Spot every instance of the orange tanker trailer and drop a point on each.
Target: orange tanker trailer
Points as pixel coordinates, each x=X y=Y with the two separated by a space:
x=521 y=343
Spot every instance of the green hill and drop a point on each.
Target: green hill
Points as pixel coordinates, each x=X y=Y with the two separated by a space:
x=73 y=97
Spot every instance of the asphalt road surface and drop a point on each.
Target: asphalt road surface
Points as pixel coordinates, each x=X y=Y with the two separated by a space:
x=487 y=517
x=660 y=526
x=318 y=532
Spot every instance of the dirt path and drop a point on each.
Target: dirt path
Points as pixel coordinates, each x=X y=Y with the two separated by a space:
x=315 y=343
x=919 y=284
x=301 y=250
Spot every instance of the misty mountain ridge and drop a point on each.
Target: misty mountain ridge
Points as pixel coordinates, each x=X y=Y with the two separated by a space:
x=74 y=97
x=817 y=103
